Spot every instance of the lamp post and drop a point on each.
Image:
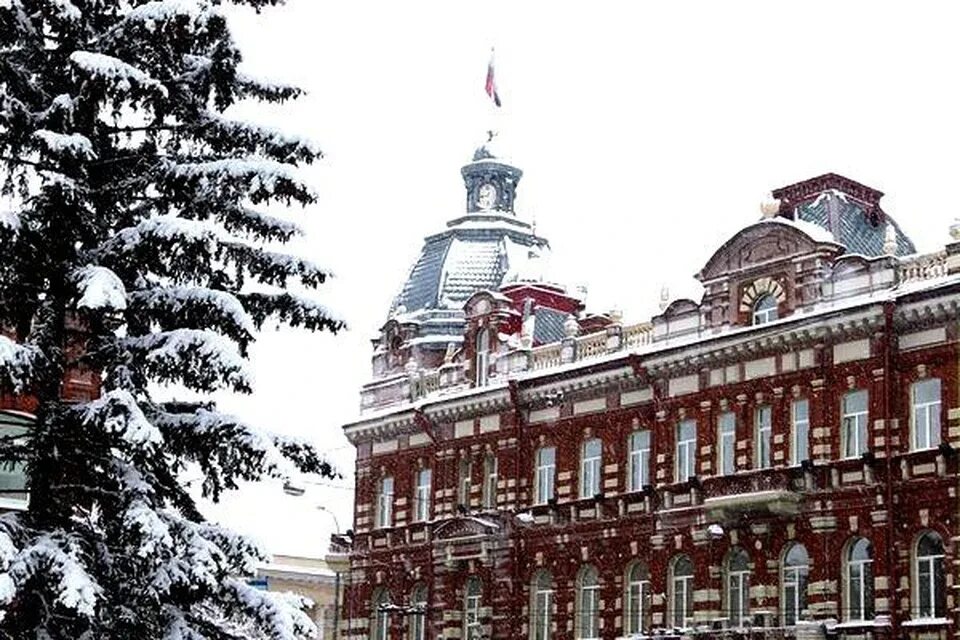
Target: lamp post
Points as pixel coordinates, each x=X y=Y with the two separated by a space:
x=339 y=562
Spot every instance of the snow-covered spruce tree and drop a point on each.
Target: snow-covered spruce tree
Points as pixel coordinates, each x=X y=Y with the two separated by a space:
x=133 y=209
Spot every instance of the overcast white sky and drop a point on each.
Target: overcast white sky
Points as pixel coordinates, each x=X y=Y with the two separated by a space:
x=648 y=133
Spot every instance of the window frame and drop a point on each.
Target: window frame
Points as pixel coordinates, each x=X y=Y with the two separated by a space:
x=588 y=604
x=859 y=419
x=385 y=503
x=794 y=576
x=15 y=496
x=864 y=581
x=381 y=618
x=763 y=437
x=636 y=601
x=638 y=459
x=795 y=430
x=591 y=468
x=542 y=590
x=727 y=451
x=935 y=579
x=545 y=475
x=490 y=478
x=421 y=495
x=419 y=596
x=767 y=314
x=685 y=450
x=464 y=482
x=684 y=615
x=933 y=423
x=737 y=583
x=472 y=601
x=482 y=359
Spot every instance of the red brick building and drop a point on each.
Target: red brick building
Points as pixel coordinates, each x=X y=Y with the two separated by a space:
x=777 y=458
x=80 y=384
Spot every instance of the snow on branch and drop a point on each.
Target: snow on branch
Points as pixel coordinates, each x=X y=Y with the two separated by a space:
x=229 y=450
x=197 y=358
x=51 y=557
x=273 y=611
x=118 y=412
x=259 y=225
x=124 y=76
x=100 y=288
x=195 y=306
x=259 y=179
x=292 y=310
x=275 y=268
x=17 y=363
x=150 y=13
x=66 y=10
x=268 y=90
x=258 y=139
x=71 y=145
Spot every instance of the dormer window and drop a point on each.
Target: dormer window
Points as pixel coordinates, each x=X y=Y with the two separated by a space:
x=765 y=309
x=483 y=357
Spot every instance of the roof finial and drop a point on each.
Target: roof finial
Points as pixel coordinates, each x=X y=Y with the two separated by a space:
x=890 y=240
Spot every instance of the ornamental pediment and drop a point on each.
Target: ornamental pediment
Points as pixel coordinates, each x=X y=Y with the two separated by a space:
x=465 y=527
x=763 y=243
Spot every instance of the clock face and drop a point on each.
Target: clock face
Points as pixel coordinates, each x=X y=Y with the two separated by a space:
x=487 y=196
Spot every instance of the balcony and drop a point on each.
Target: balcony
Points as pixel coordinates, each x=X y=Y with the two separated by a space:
x=776 y=491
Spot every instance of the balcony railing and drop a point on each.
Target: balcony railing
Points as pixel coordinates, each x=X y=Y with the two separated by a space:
x=923 y=267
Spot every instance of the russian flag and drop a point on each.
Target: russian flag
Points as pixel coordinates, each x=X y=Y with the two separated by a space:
x=491 y=86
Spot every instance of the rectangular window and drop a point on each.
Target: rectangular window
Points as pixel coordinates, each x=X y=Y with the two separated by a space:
x=682 y=601
x=800 y=431
x=794 y=590
x=471 y=617
x=930 y=578
x=686 y=450
x=589 y=613
x=738 y=592
x=726 y=443
x=490 y=482
x=546 y=471
x=590 y=468
x=464 y=483
x=385 y=503
x=542 y=614
x=639 y=462
x=854 y=424
x=421 y=498
x=13 y=475
x=925 y=403
x=638 y=606
x=763 y=419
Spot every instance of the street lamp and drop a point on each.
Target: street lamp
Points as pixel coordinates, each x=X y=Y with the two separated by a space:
x=339 y=562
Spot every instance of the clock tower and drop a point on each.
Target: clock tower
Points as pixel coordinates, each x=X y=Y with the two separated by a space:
x=491 y=183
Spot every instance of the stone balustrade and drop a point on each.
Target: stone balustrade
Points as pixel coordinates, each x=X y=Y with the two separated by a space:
x=923 y=267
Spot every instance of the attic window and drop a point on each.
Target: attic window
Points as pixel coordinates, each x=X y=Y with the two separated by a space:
x=765 y=309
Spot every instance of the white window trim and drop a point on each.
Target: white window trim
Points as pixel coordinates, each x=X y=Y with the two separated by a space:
x=545 y=477
x=863 y=583
x=764 y=437
x=854 y=417
x=791 y=577
x=686 y=450
x=422 y=496
x=726 y=443
x=590 y=468
x=638 y=464
x=471 y=616
x=795 y=431
x=642 y=589
x=681 y=586
x=385 y=504
x=931 y=429
x=542 y=609
x=589 y=607
x=490 y=470
x=931 y=561
x=739 y=580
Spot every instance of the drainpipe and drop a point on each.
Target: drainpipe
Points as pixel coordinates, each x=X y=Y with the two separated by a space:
x=888 y=386
x=516 y=606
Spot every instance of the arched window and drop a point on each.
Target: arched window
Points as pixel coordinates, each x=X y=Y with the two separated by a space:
x=380 y=615
x=590 y=465
x=471 y=609
x=859 y=580
x=483 y=356
x=796 y=568
x=636 y=609
x=588 y=604
x=765 y=309
x=418 y=617
x=681 y=592
x=930 y=599
x=738 y=587
x=541 y=606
